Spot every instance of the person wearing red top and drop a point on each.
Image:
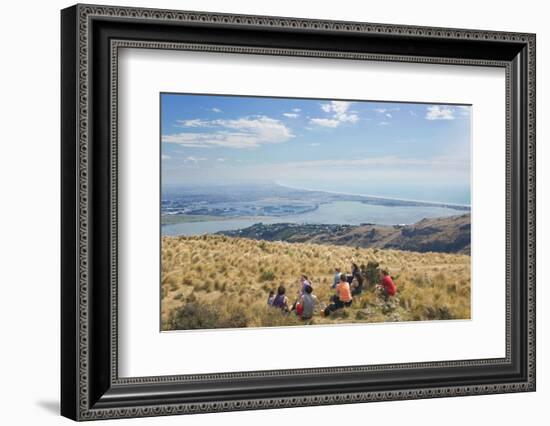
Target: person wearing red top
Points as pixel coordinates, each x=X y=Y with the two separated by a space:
x=387 y=286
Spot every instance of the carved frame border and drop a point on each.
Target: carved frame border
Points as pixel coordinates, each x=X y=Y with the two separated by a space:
x=87 y=12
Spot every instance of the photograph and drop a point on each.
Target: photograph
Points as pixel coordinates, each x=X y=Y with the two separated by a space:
x=297 y=212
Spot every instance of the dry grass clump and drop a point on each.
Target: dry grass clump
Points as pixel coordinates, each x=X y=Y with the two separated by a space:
x=216 y=281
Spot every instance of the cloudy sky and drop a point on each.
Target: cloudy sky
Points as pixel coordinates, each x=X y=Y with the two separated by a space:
x=403 y=150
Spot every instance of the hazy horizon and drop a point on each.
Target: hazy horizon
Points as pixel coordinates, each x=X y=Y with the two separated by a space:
x=385 y=149
x=461 y=197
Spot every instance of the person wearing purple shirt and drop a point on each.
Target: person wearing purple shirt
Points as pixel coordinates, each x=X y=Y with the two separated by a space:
x=305 y=282
x=280 y=301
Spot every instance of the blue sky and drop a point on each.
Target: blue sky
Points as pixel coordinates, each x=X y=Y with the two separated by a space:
x=402 y=150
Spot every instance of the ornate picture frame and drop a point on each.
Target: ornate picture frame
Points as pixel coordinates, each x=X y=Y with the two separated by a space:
x=91 y=38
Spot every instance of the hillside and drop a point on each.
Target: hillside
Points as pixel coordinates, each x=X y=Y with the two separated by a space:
x=445 y=235
x=216 y=281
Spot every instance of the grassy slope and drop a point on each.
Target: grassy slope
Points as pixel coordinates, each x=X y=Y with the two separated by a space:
x=230 y=278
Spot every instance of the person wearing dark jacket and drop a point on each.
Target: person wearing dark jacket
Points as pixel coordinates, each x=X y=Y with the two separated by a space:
x=356 y=281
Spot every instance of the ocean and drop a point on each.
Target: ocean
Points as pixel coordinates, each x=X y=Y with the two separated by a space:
x=434 y=192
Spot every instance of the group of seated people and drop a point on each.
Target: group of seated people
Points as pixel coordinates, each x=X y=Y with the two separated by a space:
x=304 y=305
x=346 y=287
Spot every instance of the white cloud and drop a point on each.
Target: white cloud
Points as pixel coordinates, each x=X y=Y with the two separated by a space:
x=412 y=113
x=385 y=110
x=439 y=112
x=165 y=157
x=325 y=122
x=195 y=160
x=337 y=107
x=246 y=132
x=384 y=123
x=193 y=123
x=290 y=115
x=314 y=144
x=216 y=110
x=296 y=110
x=352 y=118
x=388 y=115
x=222 y=160
x=339 y=114
x=267 y=129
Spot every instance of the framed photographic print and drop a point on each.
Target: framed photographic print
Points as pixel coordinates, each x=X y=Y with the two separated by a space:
x=263 y=212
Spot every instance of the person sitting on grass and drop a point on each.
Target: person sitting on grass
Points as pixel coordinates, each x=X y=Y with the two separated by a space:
x=270 y=298
x=281 y=301
x=356 y=280
x=336 y=277
x=306 y=306
x=304 y=281
x=387 y=287
x=355 y=287
x=342 y=298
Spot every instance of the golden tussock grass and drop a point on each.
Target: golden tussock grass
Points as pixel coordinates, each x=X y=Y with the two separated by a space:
x=222 y=282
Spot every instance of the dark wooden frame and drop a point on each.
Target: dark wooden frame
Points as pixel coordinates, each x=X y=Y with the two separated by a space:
x=91 y=37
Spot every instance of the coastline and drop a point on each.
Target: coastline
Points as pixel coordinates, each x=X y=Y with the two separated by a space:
x=376 y=197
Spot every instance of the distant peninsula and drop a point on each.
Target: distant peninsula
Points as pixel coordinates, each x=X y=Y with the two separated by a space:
x=446 y=235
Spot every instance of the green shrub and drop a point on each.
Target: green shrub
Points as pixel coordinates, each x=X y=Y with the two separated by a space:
x=236 y=318
x=193 y=316
x=371 y=272
x=267 y=275
x=438 y=313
